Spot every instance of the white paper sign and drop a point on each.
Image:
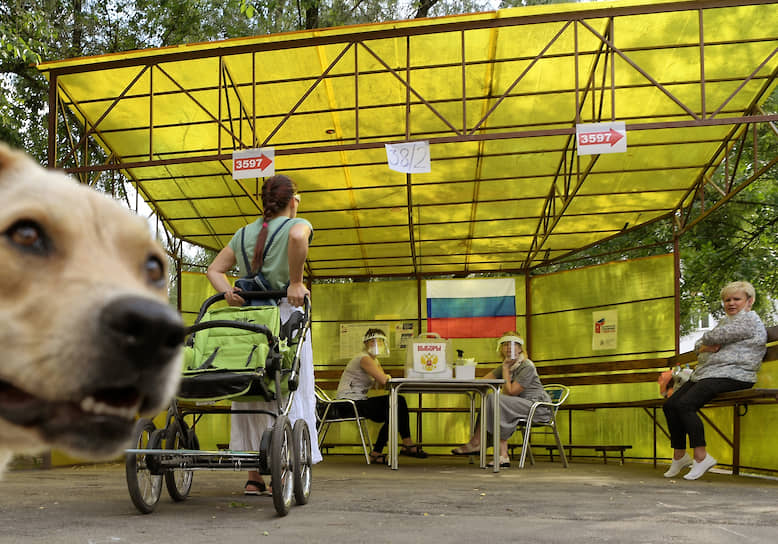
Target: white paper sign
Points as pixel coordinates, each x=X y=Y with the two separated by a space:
x=254 y=163
x=605 y=326
x=596 y=138
x=409 y=158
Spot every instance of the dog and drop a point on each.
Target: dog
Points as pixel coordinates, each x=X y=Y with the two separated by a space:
x=87 y=339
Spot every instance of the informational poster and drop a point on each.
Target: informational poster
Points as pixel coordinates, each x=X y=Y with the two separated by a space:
x=605 y=327
x=403 y=334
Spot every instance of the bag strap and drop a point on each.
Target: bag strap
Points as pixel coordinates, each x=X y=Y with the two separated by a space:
x=268 y=243
x=246 y=262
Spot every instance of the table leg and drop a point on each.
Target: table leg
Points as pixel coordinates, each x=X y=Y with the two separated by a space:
x=482 y=431
x=496 y=429
x=393 y=427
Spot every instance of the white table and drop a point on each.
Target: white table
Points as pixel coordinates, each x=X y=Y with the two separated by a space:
x=450 y=385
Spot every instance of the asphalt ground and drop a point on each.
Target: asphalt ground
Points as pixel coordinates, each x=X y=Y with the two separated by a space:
x=440 y=499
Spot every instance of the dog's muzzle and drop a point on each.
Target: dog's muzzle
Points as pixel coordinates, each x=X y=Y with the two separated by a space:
x=131 y=368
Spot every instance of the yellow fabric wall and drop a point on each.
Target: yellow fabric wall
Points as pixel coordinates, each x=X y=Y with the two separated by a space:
x=561 y=303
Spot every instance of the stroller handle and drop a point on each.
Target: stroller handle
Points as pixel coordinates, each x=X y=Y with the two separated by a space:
x=249 y=294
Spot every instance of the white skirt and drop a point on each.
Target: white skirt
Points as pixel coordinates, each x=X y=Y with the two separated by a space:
x=246 y=429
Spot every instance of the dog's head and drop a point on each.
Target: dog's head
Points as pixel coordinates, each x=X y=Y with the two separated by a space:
x=88 y=340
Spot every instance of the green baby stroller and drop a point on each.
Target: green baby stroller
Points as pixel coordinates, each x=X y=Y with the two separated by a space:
x=235 y=354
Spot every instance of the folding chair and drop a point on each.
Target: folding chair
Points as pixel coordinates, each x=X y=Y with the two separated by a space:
x=558 y=394
x=329 y=411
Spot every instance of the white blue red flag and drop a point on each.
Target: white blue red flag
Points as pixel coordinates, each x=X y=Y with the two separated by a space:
x=476 y=308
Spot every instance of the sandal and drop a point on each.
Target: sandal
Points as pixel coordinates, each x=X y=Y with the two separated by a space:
x=505 y=462
x=467 y=449
x=261 y=489
x=414 y=450
x=379 y=459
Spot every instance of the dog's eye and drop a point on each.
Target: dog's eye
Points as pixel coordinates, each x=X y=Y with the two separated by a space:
x=155 y=270
x=28 y=236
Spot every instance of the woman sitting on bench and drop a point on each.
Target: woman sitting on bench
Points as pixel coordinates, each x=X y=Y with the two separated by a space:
x=522 y=388
x=729 y=356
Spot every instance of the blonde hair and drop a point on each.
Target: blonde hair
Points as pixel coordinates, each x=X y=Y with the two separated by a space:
x=742 y=286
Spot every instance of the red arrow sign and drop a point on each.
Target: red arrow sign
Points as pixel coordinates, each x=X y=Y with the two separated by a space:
x=264 y=160
x=599 y=138
x=261 y=162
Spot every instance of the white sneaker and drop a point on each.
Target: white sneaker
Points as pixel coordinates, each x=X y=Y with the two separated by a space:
x=698 y=469
x=678 y=465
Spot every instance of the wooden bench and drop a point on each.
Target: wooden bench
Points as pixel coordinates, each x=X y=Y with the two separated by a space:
x=550 y=448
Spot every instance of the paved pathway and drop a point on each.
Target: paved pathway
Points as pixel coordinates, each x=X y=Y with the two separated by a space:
x=440 y=499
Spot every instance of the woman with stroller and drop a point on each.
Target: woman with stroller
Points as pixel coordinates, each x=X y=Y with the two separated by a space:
x=522 y=388
x=363 y=372
x=277 y=245
x=729 y=356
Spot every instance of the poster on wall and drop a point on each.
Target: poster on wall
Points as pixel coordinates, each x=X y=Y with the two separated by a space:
x=605 y=329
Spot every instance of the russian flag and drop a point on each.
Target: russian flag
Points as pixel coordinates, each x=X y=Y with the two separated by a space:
x=477 y=308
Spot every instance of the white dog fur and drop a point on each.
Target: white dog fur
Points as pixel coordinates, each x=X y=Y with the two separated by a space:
x=87 y=338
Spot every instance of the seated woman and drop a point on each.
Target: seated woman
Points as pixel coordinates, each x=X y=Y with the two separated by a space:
x=360 y=374
x=729 y=356
x=522 y=388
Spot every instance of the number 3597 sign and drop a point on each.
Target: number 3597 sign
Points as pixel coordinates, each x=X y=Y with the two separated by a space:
x=409 y=158
x=597 y=138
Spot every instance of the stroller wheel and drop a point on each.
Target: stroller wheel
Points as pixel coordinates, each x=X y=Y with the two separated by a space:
x=282 y=465
x=302 y=462
x=144 y=486
x=178 y=481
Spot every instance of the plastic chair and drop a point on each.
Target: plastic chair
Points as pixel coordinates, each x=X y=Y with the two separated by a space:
x=329 y=411
x=558 y=394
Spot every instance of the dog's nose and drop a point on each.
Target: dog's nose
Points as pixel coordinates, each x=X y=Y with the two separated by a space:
x=145 y=329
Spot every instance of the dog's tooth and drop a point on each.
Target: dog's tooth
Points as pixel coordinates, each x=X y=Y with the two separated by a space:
x=88 y=404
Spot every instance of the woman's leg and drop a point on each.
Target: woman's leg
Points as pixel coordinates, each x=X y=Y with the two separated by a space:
x=512 y=411
x=694 y=398
x=246 y=432
x=377 y=409
x=675 y=423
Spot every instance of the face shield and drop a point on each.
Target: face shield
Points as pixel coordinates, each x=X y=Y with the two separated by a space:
x=510 y=346
x=376 y=345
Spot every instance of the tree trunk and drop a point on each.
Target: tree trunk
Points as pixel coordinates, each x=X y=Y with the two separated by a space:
x=77 y=29
x=312 y=15
x=424 y=8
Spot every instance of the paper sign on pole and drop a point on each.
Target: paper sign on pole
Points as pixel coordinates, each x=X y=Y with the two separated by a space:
x=409 y=158
x=254 y=163
x=597 y=138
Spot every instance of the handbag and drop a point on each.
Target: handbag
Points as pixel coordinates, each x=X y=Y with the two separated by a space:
x=670 y=380
x=257 y=282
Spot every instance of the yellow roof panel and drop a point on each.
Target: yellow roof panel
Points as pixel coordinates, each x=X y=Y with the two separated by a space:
x=497 y=95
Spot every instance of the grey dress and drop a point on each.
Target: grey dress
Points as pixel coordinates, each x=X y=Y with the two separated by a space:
x=513 y=409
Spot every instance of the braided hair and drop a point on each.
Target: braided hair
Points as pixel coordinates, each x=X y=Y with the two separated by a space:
x=277 y=191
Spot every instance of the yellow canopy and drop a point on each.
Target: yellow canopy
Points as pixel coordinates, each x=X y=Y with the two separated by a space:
x=497 y=95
